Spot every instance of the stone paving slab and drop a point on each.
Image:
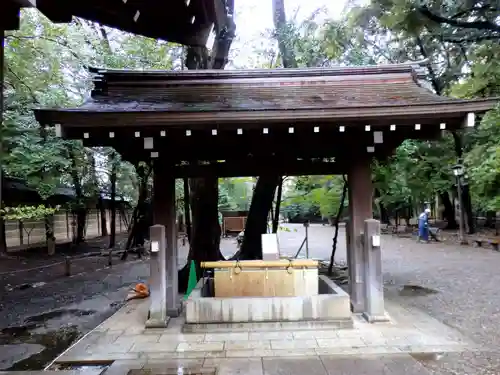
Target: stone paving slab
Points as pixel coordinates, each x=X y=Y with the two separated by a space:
x=123 y=338
x=394 y=364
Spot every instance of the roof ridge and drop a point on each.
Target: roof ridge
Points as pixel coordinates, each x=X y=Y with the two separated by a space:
x=409 y=67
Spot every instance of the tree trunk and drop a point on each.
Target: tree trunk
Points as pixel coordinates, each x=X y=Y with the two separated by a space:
x=49 y=234
x=206 y=231
x=114 y=167
x=384 y=216
x=139 y=225
x=449 y=211
x=256 y=225
x=79 y=210
x=289 y=61
x=280 y=25
x=187 y=210
x=337 y=222
x=276 y=216
x=97 y=192
x=205 y=228
x=466 y=199
x=102 y=212
x=3 y=238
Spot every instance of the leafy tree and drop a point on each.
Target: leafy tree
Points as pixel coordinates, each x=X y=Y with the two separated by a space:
x=235 y=193
x=46 y=66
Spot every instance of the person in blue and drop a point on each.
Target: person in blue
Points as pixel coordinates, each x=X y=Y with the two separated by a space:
x=423 y=225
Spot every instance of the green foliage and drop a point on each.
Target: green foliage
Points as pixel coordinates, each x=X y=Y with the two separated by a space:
x=483 y=163
x=23 y=213
x=46 y=66
x=396 y=31
x=313 y=196
x=235 y=194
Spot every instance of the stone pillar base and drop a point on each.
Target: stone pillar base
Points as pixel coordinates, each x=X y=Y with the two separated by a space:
x=157 y=323
x=174 y=313
x=357 y=308
x=376 y=318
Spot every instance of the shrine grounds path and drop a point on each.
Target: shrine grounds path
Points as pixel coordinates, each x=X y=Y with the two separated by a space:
x=463 y=288
x=463 y=291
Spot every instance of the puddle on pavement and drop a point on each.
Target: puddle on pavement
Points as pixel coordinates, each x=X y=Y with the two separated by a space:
x=58 y=314
x=79 y=368
x=427 y=358
x=55 y=338
x=415 y=291
x=54 y=343
x=21 y=331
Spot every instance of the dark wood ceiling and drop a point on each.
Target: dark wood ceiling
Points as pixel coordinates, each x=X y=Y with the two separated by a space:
x=186 y=22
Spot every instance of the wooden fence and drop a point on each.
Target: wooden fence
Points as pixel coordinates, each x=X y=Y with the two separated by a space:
x=21 y=235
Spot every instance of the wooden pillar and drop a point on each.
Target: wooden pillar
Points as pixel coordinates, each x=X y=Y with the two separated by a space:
x=164 y=214
x=360 y=209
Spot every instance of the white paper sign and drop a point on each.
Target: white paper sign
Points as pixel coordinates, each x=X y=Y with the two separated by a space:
x=270 y=246
x=155 y=246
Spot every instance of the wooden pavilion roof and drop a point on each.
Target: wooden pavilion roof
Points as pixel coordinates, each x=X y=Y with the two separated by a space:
x=186 y=22
x=260 y=117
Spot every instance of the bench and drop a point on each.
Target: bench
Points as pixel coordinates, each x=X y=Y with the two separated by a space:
x=494 y=242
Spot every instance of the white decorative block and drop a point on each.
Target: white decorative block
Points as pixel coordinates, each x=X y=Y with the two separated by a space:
x=378 y=137
x=148 y=143
x=471 y=119
x=270 y=249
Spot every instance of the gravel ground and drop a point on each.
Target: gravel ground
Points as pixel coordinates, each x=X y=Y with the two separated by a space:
x=466 y=280
x=463 y=283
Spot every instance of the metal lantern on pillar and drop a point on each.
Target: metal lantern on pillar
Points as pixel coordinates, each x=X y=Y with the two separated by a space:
x=458 y=170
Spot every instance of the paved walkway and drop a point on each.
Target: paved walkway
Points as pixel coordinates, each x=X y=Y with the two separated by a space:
x=123 y=339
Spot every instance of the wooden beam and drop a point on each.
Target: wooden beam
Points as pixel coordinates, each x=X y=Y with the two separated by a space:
x=284 y=263
x=54 y=10
x=383 y=114
x=260 y=167
x=9 y=16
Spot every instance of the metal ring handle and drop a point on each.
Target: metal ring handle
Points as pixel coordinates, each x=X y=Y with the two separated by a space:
x=237 y=268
